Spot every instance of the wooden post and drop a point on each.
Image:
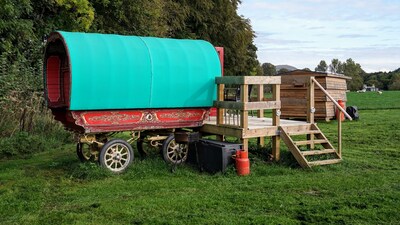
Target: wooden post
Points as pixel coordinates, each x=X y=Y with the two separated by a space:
x=310 y=101
x=340 y=135
x=260 y=113
x=220 y=111
x=311 y=110
x=220 y=97
x=245 y=143
x=244 y=115
x=276 y=96
x=244 y=97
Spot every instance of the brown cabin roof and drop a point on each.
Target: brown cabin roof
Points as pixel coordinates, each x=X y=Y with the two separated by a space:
x=315 y=74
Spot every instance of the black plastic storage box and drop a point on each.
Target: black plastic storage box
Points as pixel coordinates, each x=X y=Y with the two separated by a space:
x=212 y=156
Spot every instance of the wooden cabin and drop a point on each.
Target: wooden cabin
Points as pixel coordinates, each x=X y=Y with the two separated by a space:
x=294 y=93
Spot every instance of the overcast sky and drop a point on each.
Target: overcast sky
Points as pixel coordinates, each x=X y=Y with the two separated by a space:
x=303 y=32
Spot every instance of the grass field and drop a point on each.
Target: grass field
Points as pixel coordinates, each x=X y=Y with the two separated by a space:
x=54 y=188
x=373 y=100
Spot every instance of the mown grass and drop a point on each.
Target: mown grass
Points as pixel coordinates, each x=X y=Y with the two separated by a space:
x=374 y=100
x=54 y=188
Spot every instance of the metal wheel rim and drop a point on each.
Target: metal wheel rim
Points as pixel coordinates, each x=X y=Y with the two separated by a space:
x=85 y=151
x=177 y=153
x=117 y=157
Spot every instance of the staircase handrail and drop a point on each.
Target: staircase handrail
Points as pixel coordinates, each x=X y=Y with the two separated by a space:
x=331 y=98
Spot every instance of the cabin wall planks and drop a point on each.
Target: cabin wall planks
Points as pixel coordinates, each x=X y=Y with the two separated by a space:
x=294 y=94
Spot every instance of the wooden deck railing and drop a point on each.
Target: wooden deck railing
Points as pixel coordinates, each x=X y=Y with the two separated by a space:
x=311 y=109
x=230 y=113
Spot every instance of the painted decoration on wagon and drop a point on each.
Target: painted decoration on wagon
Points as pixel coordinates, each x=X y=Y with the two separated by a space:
x=116 y=72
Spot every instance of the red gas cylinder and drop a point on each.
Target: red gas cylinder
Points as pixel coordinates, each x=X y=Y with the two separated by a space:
x=242 y=163
x=343 y=105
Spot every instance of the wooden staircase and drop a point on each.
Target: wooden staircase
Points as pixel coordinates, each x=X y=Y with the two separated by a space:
x=315 y=150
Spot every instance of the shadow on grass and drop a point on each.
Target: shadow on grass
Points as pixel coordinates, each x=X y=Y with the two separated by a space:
x=264 y=154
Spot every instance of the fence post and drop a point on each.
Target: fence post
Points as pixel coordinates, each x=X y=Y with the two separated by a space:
x=340 y=134
x=311 y=101
x=220 y=111
x=260 y=113
x=311 y=109
x=244 y=115
x=276 y=145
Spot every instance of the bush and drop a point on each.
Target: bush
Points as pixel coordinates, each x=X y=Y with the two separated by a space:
x=27 y=126
x=21 y=144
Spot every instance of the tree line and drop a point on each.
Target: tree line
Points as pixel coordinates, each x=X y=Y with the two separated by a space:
x=381 y=80
x=24 y=25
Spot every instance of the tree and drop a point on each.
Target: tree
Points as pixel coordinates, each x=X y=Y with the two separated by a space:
x=336 y=66
x=395 y=84
x=257 y=71
x=283 y=70
x=353 y=70
x=219 y=23
x=269 y=69
x=25 y=23
x=321 y=67
x=139 y=17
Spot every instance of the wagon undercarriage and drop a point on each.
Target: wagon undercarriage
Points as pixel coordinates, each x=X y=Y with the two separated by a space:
x=117 y=154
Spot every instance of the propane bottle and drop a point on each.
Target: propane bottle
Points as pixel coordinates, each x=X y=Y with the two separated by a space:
x=338 y=112
x=242 y=163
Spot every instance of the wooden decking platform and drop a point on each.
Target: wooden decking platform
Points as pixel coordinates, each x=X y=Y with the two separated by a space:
x=233 y=120
x=257 y=127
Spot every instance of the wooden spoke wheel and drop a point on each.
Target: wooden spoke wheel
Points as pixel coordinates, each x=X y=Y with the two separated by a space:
x=87 y=152
x=116 y=155
x=174 y=153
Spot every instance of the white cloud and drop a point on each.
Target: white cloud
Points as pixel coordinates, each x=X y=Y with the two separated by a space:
x=304 y=32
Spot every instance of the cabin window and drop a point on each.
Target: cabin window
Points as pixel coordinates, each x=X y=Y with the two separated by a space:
x=53 y=78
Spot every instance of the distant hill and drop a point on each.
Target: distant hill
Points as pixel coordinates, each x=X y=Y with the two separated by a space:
x=288 y=67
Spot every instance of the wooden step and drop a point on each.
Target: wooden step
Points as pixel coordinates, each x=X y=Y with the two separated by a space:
x=300 y=128
x=318 y=152
x=324 y=162
x=303 y=132
x=317 y=141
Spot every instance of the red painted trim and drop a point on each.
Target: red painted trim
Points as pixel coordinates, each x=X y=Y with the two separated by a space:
x=66 y=85
x=220 y=51
x=65 y=72
x=53 y=82
x=129 y=120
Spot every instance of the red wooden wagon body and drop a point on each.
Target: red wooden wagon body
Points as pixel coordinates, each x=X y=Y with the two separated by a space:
x=76 y=96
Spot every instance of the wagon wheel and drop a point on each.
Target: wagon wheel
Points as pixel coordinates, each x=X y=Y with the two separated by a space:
x=87 y=152
x=116 y=155
x=174 y=153
x=145 y=148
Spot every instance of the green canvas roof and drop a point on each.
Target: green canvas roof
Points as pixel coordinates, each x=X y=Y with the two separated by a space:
x=130 y=72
